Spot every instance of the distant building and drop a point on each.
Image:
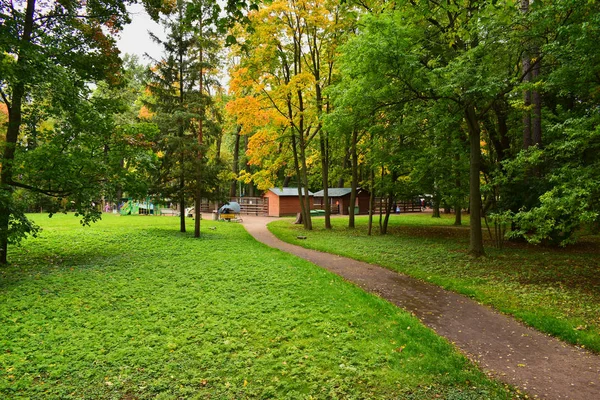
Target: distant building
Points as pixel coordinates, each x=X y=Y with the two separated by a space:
x=284 y=201
x=339 y=199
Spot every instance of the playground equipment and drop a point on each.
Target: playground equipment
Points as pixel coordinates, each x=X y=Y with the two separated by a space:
x=133 y=207
x=130 y=208
x=230 y=212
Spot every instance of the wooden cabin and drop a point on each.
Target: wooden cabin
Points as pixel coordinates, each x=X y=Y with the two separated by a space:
x=339 y=199
x=284 y=201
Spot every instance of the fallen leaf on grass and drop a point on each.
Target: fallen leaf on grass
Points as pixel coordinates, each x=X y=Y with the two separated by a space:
x=399 y=349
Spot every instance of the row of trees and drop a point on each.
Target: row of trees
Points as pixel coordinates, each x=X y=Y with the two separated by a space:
x=56 y=132
x=183 y=89
x=487 y=105
x=84 y=125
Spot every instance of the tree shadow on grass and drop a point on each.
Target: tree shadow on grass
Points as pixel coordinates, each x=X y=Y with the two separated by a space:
x=576 y=266
x=96 y=255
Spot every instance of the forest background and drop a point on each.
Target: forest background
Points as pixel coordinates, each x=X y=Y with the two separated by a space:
x=488 y=106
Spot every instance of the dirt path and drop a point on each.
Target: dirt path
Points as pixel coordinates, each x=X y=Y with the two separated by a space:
x=542 y=366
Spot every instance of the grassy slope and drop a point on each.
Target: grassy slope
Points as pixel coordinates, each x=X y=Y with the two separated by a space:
x=130 y=308
x=554 y=290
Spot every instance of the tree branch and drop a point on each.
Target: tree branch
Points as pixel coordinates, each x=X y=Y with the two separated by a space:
x=47 y=192
x=5 y=99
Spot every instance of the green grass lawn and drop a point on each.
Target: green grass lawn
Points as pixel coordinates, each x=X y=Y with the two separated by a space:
x=132 y=309
x=554 y=290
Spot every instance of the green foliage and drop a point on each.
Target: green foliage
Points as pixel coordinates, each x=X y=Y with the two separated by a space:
x=184 y=111
x=552 y=290
x=553 y=188
x=562 y=213
x=411 y=72
x=131 y=308
x=55 y=136
x=566 y=178
x=19 y=226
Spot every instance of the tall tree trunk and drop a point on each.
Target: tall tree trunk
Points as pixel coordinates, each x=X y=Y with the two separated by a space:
x=303 y=178
x=181 y=196
x=236 y=163
x=12 y=133
x=354 y=155
x=526 y=63
x=181 y=144
x=302 y=139
x=476 y=237
x=248 y=189
x=536 y=98
x=119 y=193
x=436 y=205
x=388 y=212
x=371 y=199
x=304 y=185
x=457 y=184
x=218 y=145
x=345 y=164
x=527 y=113
x=197 y=206
x=325 y=173
x=298 y=180
x=323 y=137
x=458 y=213
x=381 y=203
x=501 y=140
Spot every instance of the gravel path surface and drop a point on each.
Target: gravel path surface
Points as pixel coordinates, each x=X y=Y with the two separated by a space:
x=542 y=366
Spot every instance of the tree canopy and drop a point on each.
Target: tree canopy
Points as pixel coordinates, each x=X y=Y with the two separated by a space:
x=489 y=107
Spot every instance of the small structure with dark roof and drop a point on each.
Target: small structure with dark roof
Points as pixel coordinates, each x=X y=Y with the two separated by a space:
x=284 y=201
x=339 y=200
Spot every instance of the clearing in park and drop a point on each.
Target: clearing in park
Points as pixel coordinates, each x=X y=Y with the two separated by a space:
x=131 y=308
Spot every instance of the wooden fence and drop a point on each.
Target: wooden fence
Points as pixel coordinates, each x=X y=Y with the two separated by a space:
x=404 y=206
x=253 y=205
x=248 y=205
x=260 y=206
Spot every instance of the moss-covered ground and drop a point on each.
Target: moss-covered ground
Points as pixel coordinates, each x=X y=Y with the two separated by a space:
x=556 y=290
x=130 y=308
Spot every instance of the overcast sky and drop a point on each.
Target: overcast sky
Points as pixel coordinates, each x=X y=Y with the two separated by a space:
x=134 y=38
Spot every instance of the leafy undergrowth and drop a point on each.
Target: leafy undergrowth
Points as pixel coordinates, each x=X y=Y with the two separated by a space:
x=556 y=290
x=132 y=309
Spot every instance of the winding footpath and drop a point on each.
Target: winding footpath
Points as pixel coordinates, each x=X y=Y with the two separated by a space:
x=539 y=365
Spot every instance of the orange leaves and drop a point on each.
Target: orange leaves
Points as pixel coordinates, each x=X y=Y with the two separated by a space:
x=238 y=80
x=145 y=113
x=303 y=81
x=250 y=114
x=278 y=81
x=111 y=25
x=267 y=151
x=262 y=146
x=243 y=82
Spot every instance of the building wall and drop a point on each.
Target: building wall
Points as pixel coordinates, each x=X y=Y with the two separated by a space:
x=284 y=205
x=344 y=204
x=362 y=199
x=273 y=204
x=290 y=205
x=363 y=203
